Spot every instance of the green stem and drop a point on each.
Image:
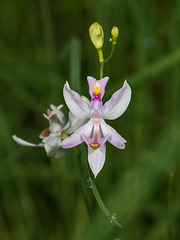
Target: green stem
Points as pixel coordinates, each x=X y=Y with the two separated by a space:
x=81 y=173
x=101 y=69
x=102 y=61
x=96 y=193
x=110 y=56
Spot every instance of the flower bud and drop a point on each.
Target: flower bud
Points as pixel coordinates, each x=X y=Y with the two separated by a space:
x=97 y=35
x=114 y=35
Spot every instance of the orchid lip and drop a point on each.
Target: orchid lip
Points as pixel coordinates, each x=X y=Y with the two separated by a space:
x=96 y=141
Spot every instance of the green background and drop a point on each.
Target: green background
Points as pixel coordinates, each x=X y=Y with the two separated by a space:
x=43 y=43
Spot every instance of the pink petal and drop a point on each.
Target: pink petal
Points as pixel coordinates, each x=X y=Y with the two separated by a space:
x=92 y=83
x=100 y=141
x=102 y=83
x=118 y=103
x=74 y=102
x=114 y=137
x=77 y=137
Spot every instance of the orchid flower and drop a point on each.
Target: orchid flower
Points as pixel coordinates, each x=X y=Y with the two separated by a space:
x=52 y=136
x=96 y=132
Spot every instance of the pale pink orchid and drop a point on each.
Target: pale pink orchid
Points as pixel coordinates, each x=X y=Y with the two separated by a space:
x=52 y=136
x=96 y=132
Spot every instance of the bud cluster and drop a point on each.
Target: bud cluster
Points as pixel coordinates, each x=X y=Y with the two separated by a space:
x=96 y=34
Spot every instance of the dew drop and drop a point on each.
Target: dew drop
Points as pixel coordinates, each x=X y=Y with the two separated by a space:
x=113 y=216
x=87 y=182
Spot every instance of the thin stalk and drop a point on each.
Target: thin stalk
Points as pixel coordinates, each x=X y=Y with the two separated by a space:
x=106 y=60
x=96 y=193
x=110 y=56
x=81 y=173
x=101 y=69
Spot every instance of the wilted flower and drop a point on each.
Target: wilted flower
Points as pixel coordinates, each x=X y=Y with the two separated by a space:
x=58 y=129
x=96 y=132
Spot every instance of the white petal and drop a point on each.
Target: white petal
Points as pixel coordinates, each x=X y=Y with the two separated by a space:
x=85 y=99
x=77 y=137
x=92 y=82
x=118 y=103
x=55 y=128
x=54 y=108
x=59 y=114
x=74 y=123
x=75 y=103
x=52 y=143
x=96 y=159
x=25 y=143
x=114 y=137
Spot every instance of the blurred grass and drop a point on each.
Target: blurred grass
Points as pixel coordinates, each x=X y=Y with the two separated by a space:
x=42 y=45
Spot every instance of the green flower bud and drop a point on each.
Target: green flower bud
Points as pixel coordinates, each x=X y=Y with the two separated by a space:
x=114 y=35
x=96 y=35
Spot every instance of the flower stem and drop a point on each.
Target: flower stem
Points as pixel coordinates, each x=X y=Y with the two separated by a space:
x=106 y=60
x=101 y=69
x=81 y=173
x=110 y=56
x=96 y=193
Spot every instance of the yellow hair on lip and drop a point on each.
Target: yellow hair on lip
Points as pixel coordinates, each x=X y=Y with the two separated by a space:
x=97 y=90
x=94 y=146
